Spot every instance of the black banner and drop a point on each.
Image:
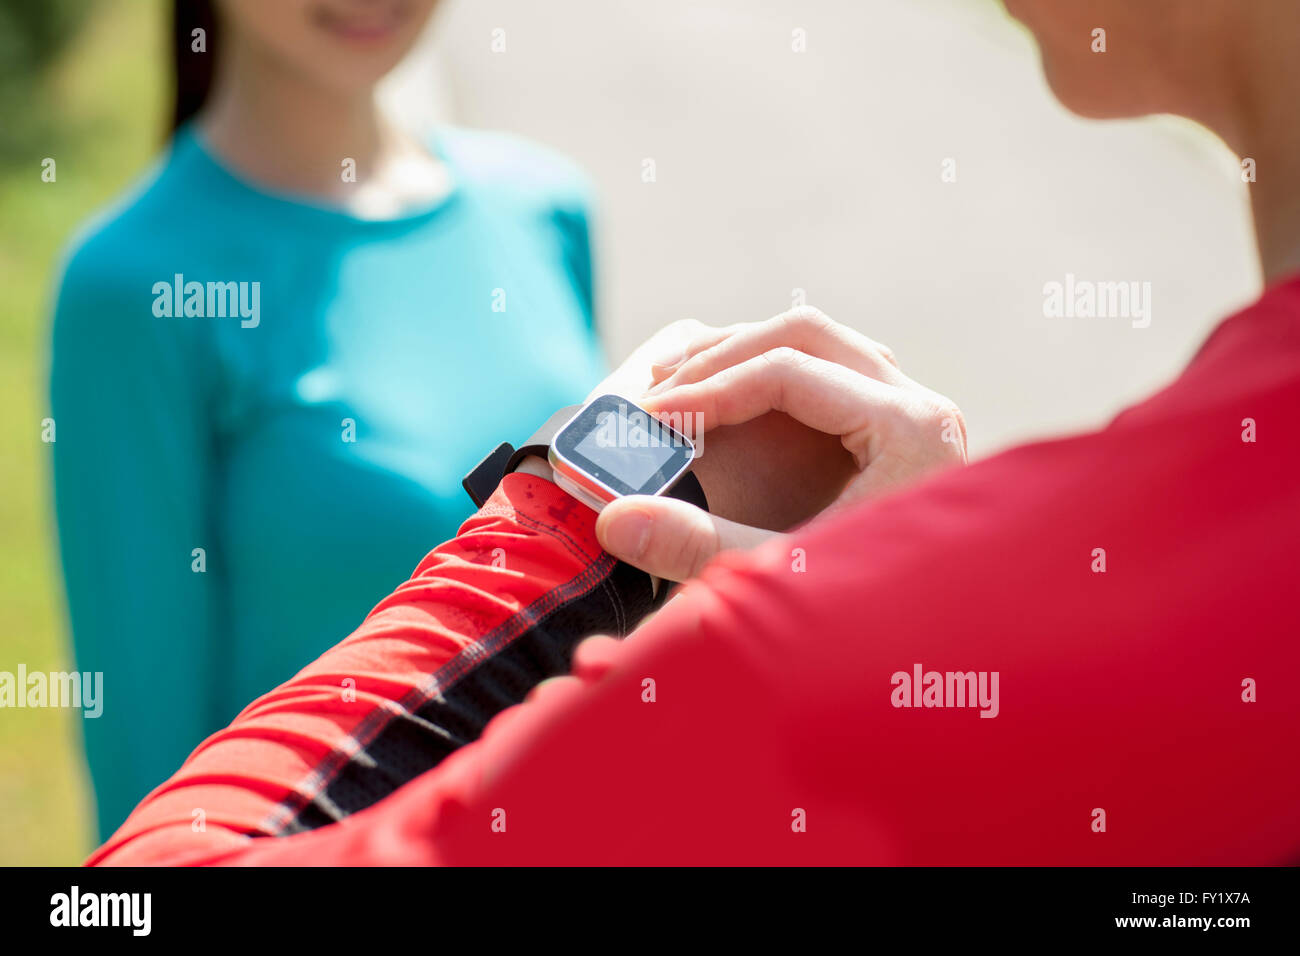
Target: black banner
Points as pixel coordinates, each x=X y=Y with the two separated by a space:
x=336 y=906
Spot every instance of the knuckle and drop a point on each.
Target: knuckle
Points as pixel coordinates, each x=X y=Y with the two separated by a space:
x=807 y=318
x=695 y=547
x=950 y=409
x=785 y=357
x=921 y=413
x=946 y=418
x=783 y=363
x=941 y=413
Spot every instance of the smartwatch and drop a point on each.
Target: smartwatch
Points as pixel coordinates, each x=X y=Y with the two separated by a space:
x=605 y=449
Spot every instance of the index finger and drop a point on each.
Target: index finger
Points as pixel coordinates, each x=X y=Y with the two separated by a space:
x=821 y=394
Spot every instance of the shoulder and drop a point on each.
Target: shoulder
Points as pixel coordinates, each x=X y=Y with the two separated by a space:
x=131 y=242
x=514 y=166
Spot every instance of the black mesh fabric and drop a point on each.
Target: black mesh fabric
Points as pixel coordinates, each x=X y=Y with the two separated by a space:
x=411 y=743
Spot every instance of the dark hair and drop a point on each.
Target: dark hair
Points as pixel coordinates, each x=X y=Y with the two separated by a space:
x=192 y=71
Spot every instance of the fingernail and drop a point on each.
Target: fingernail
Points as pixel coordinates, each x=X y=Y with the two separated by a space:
x=671 y=361
x=628 y=534
x=660 y=387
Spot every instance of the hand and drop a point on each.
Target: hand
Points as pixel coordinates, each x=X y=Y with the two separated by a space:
x=822 y=374
x=735 y=482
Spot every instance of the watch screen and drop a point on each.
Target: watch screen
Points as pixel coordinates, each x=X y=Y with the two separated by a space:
x=624 y=447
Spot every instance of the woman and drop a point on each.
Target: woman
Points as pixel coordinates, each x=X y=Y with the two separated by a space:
x=1079 y=651
x=273 y=360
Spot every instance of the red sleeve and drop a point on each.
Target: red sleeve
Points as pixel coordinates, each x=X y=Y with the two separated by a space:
x=482 y=620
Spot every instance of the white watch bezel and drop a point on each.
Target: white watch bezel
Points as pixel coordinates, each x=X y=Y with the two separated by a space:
x=589 y=489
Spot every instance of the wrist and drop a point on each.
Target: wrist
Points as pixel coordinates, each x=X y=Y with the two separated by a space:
x=537 y=466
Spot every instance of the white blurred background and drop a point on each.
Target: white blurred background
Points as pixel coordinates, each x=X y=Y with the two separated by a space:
x=778 y=171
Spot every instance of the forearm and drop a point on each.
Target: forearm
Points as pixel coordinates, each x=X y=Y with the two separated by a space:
x=484 y=618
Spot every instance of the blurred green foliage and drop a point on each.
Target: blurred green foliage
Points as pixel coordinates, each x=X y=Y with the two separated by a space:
x=32 y=32
x=32 y=35
x=83 y=83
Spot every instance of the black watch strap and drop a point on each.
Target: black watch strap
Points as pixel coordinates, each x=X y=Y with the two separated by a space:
x=688 y=488
x=487 y=474
x=505 y=458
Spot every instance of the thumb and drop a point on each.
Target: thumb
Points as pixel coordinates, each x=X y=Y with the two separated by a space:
x=668 y=538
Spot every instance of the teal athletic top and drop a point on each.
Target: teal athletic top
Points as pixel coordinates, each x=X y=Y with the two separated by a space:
x=263 y=409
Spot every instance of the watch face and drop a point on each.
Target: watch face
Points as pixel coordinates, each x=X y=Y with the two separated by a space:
x=623 y=447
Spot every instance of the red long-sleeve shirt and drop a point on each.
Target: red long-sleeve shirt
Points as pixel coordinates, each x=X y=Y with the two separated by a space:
x=1145 y=713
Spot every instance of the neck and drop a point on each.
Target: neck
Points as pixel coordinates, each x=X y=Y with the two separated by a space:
x=1275 y=196
x=1254 y=112
x=277 y=128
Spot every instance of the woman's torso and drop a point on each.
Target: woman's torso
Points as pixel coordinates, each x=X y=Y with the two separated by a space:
x=382 y=360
